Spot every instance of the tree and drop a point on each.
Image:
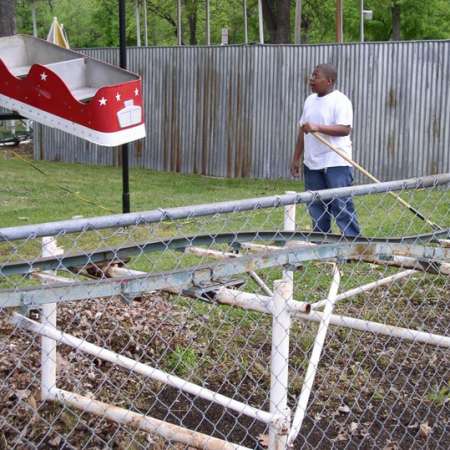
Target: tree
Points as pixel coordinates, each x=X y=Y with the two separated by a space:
x=7 y=17
x=395 y=11
x=277 y=19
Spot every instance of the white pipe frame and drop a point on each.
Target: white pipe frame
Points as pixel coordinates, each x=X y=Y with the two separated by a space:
x=310 y=375
x=55 y=335
x=48 y=318
x=279 y=365
x=280 y=304
x=123 y=416
x=262 y=304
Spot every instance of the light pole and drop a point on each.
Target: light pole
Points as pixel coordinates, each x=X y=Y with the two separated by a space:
x=339 y=21
x=123 y=64
x=361 y=20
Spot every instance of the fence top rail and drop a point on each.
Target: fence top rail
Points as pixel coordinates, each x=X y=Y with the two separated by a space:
x=183 y=212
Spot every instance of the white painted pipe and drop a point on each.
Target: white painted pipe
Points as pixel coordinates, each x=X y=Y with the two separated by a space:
x=315 y=358
x=380 y=328
x=122 y=272
x=259 y=303
x=49 y=278
x=279 y=367
x=405 y=262
x=259 y=247
x=168 y=431
x=289 y=225
x=132 y=365
x=48 y=352
x=366 y=287
x=48 y=318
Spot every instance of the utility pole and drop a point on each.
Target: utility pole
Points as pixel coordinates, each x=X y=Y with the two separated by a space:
x=123 y=64
x=138 y=23
x=145 y=24
x=245 y=23
x=339 y=21
x=298 y=21
x=208 y=24
x=33 y=17
x=361 y=20
x=179 y=31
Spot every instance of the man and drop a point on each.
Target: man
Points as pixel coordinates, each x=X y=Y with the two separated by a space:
x=329 y=112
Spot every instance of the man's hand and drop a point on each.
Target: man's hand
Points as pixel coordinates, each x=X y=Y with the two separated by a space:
x=295 y=168
x=309 y=127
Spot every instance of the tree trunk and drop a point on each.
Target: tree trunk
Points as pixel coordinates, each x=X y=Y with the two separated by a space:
x=7 y=17
x=192 y=21
x=395 y=10
x=277 y=20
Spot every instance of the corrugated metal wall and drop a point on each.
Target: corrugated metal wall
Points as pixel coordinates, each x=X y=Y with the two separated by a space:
x=232 y=111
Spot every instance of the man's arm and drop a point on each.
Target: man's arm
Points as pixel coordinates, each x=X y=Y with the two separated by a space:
x=299 y=147
x=330 y=130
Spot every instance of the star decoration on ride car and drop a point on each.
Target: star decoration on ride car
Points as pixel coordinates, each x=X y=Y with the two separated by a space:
x=103 y=101
x=44 y=76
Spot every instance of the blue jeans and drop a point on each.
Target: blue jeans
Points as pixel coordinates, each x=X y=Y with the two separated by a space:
x=342 y=209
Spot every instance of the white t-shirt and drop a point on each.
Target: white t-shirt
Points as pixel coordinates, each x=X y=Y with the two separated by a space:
x=334 y=108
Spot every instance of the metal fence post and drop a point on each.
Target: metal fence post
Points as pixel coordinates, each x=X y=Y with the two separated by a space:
x=281 y=323
x=48 y=317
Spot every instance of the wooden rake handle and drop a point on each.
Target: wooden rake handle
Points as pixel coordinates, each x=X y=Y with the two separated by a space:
x=343 y=155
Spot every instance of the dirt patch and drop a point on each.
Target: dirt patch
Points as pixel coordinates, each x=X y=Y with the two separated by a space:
x=370 y=391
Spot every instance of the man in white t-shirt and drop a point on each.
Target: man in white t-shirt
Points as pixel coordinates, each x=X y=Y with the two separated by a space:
x=329 y=112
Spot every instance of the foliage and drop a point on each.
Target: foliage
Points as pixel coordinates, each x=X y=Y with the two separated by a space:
x=94 y=23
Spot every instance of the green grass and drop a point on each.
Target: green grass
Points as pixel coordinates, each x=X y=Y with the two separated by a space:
x=60 y=191
x=27 y=196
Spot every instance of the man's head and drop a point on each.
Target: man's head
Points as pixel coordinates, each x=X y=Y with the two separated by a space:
x=323 y=79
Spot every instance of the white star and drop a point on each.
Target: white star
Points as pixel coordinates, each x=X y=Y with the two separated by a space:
x=44 y=76
x=118 y=97
x=136 y=91
x=102 y=101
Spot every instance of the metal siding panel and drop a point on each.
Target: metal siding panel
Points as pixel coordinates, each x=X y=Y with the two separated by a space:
x=232 y=111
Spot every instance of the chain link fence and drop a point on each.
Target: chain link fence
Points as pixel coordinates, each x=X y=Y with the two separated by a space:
x=230 y=325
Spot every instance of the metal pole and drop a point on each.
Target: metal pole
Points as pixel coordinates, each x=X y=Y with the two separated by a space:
x=145 y=24
x=245 y=23
x=339 y=21
x=361 y=19
x=298 y=21
x=261 y=22
x=208 y=24
x=179 y=30
x=138 y=23
x=123 y=64
x=33 y=16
